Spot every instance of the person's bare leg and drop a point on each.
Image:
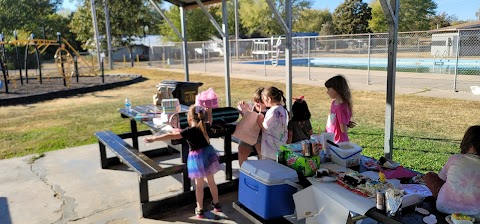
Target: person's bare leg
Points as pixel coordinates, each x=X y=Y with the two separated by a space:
x=243 y=153
x=213 y=188
x=199 y=192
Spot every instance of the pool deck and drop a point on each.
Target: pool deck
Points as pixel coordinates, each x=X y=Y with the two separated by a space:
x=410 y=83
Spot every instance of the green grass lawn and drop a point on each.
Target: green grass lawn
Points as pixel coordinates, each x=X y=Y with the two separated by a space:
x=427 y=130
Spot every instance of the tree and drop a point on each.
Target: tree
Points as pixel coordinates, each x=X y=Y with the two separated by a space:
x=352 y=17
x=327 y=29
x=414 y=15
x=312 y=20
x=258 y=18
x=477 y=14
x=27 y=15
x=441 y=20
x=127 y=19
x=199 y=27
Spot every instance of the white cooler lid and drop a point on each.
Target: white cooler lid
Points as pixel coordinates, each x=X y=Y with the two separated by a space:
x=269 y=172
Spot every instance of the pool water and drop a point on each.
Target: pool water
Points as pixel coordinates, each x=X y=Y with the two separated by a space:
x=424 y=65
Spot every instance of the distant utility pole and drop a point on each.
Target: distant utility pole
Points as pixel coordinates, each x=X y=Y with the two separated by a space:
x=95 y=30
x=109 y=35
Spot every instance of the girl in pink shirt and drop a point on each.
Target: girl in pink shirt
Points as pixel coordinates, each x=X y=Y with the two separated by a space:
x=338 y=120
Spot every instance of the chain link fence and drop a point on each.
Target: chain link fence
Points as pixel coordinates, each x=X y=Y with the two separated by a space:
x=446 y=60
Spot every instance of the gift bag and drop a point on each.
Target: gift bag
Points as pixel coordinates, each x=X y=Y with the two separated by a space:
x=247 y=129
x=207 y=99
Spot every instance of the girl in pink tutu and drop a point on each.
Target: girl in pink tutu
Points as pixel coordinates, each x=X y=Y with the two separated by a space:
x=202 y=159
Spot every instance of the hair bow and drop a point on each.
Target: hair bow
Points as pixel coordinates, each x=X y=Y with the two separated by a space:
x=299 y=98
x=198 y=109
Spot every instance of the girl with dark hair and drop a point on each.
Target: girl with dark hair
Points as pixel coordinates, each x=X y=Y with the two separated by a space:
x=299 y=126
x=202 y=159
x=457 y=186
x=274 y=124
x=341 y=109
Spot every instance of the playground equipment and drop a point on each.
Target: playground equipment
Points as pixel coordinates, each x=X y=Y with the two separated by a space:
x=65 y=62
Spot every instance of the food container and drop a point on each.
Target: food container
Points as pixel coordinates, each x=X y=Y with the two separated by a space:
x=347 y=154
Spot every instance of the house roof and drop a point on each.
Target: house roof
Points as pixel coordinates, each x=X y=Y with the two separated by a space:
x=471 y=25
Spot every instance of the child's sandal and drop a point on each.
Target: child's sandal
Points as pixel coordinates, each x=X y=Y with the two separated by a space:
x=199 y=212
x=216 y=207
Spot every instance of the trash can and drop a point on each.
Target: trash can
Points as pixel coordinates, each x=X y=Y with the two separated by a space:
x=185 y=92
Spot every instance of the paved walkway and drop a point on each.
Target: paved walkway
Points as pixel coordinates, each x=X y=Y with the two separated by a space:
x=68 y=186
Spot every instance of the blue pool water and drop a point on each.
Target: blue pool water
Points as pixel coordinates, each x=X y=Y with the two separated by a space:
x=403 y=64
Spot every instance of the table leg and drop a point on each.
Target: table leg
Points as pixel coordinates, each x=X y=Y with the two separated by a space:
x=133 y=128
x=184 y=155
x=227 y=145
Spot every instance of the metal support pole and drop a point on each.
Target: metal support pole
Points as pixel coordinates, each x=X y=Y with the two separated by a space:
x=95 y=28
x=392 y=18
x=226 y=51
x=456 y=63
x=132 y=60
x=368 y=65
x=75 y=64
x=235 y=2
x=288 y=53
x=184 y=42
x=5 y=67
x=59 y=41
x=26 y=60
x=39 y=64
x=102 y=69
x=17 y=56
x=4 y=75
x=109 y=35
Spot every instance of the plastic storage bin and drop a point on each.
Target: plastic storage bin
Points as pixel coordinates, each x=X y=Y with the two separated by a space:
x=263 y=188
x=185 y=92
x=347 y=155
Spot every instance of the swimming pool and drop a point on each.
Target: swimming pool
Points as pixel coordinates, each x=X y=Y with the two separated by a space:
x=464 y=66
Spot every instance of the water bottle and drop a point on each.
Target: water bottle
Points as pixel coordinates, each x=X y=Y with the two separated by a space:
x=128 y=105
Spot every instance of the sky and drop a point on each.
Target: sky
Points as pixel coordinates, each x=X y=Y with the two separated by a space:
x=463 y=9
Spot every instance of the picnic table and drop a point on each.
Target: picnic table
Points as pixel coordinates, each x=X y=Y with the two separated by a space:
x=142 y=163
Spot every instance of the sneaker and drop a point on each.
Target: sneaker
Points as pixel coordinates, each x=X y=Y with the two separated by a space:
x=217 y=207
x=199 y=212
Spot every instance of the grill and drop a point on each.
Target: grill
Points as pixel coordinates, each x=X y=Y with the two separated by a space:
x=222 y=124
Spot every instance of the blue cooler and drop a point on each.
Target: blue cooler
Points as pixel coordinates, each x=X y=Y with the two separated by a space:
x=263 y=188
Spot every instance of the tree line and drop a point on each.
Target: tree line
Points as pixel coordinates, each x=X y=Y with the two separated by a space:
x=137 y=18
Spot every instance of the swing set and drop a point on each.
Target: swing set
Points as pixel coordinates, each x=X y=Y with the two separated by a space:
x=66 y=64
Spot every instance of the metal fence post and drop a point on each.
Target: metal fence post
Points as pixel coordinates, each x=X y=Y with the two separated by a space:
x=264 y=60
x=204 y=59
x=368 y=65
x=456 y=62
x=308 y=57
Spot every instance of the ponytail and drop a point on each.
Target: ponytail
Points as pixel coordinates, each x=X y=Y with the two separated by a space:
x=199 y=116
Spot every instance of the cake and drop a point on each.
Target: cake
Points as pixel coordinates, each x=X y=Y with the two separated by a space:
x=353 y=178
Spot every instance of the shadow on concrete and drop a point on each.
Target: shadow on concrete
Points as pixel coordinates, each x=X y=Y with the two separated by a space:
x=4 y=211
